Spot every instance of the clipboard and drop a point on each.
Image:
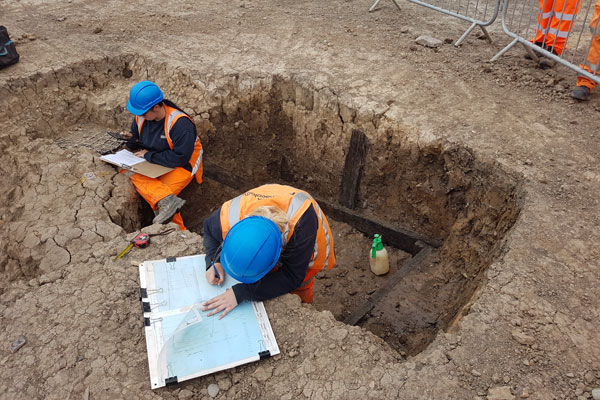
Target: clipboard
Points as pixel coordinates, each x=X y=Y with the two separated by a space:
x=127 y=160
x=182 y=341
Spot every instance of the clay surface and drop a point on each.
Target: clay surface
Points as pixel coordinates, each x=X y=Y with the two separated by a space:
x=494 y=159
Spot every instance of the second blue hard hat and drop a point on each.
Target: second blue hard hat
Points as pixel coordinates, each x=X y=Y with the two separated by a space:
x=143 y=96
x=251 y=249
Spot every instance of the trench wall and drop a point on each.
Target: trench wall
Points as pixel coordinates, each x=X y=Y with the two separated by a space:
x=266 y=129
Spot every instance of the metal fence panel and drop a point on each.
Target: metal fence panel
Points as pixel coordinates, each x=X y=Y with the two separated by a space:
x=480 y=13
x=561 y=30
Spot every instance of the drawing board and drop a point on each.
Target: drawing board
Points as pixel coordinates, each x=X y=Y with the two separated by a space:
x=182 y=341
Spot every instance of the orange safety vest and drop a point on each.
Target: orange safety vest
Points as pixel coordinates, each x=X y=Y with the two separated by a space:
x=172 y=115
x=294 y=203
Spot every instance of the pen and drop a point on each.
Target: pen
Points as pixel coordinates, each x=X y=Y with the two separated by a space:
x=216 y=272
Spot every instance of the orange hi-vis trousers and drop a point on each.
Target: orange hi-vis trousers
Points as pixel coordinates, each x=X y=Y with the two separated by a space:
x=155 y=189
x=554 y=23
x=593 y=56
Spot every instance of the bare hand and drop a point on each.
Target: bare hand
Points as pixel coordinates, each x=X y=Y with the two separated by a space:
x=140 y=153
x=211 y=277
x=224 y=302
x=126 y=135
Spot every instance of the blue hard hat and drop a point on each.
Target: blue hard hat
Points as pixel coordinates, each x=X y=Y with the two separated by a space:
x=251 y=249
x=143 y=96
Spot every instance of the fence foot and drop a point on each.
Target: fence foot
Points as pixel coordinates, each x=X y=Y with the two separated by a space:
x=374 y=6
x=473 y=25
x=485 y=32
x=504 y=50
x=464 y=35
x=531 y=53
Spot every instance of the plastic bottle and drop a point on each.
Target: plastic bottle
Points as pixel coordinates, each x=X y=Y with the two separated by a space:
x=378 y=259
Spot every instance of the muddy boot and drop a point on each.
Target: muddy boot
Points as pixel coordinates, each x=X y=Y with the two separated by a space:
x=546 y=63
x=581 y=93
x=167 y=207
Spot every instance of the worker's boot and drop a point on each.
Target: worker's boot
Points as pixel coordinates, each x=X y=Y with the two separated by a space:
x=581 y=93
x=167 y=207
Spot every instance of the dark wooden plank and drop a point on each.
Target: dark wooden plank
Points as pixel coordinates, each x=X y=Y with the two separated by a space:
x=226 y=178
x=398 y=237
x=353 y=167
x=362 y=310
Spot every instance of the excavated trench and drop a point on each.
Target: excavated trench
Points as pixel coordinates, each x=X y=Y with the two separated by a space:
x=443 y=212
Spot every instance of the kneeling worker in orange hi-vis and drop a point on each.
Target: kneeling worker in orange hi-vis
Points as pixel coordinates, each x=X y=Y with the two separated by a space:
x=163 y=134
x=585 y=85
x=273 y=239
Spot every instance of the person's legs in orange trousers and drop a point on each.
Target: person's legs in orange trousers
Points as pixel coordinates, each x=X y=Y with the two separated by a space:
x=592 y=63
x=155 y=189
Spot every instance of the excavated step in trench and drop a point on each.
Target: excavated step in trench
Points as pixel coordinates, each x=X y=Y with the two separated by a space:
x=442 y=211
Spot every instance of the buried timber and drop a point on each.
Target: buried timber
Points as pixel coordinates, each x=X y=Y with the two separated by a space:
x=443 y=212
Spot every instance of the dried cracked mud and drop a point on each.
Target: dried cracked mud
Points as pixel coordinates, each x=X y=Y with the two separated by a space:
x=492 y=161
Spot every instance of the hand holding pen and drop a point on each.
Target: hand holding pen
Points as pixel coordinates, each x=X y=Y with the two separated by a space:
x=215 y=275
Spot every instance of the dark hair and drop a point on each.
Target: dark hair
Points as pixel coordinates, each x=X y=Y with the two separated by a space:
x=171 y=104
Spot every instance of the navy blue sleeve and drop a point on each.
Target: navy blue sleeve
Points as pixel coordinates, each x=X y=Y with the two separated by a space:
x=133 y=143
x=212 y=237
x=293 y=264
x=183 y=135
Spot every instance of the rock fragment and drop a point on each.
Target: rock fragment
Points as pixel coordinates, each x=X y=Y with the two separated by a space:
x=17 y=343
x=522 y=338
x=500 y=393
x=213 y=390
x=428 y=41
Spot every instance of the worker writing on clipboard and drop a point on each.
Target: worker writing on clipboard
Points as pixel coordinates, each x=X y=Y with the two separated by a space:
x=163 y=134
x=273 y=239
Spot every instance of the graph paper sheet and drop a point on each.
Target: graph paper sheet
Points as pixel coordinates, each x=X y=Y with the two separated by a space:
x=182 y=341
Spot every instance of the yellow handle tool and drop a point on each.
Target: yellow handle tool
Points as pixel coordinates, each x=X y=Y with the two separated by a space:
x=129 y=246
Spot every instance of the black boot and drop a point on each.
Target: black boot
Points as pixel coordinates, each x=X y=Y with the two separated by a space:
x=581 y=93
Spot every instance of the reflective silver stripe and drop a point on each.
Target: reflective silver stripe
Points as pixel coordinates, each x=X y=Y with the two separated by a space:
x=295 y=204
x=234 y=211
x=327 y=240
x=140 y=121
x=555 y=32
x=561 y=16
x=198 y=161
x=564 y=17
x=172 y=116
x=542 y=30
x=314 y=255
x=560 y=34
x=593 y=67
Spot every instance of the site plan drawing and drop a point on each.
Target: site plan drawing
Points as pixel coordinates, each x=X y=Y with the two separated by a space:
x=182 y=341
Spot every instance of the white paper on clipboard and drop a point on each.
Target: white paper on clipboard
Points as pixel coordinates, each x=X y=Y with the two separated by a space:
x=182 y=341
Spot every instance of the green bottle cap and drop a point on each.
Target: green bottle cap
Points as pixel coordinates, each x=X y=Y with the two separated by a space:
x=377 y=245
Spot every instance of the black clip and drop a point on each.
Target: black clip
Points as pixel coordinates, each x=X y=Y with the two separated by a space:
x=146 y=307
x=171 y=259
x=146 y=321
x=264 y=354
x=143 y=293
x=171 y=381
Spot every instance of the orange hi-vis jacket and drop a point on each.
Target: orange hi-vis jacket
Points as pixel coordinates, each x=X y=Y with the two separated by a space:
x=294 y=203
x=172 y=115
